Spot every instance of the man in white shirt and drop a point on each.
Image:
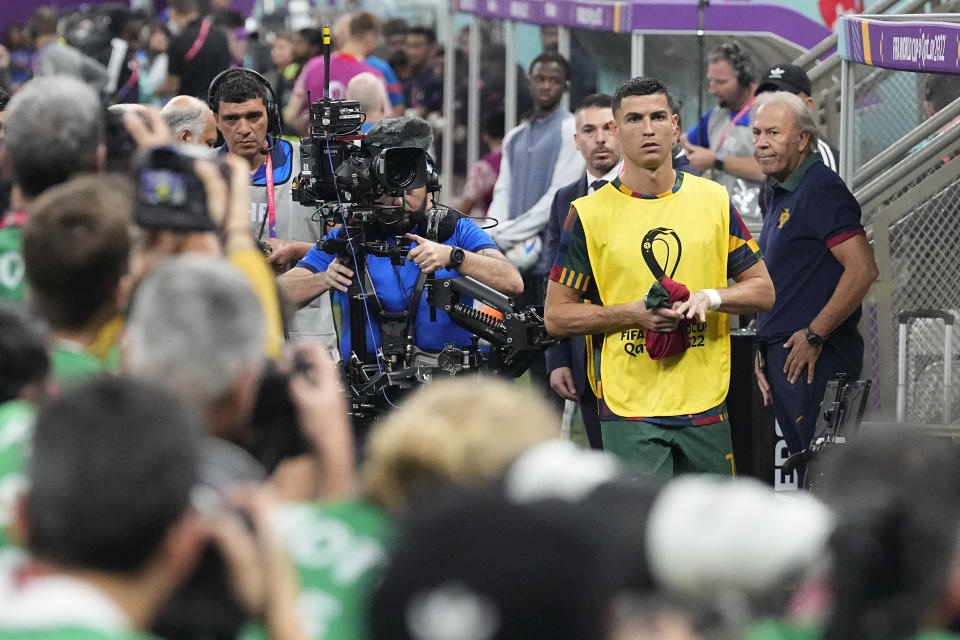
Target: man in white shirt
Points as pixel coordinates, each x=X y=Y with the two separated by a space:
x=539 y=157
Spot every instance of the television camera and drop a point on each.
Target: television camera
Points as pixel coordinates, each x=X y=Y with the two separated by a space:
x=345 y=174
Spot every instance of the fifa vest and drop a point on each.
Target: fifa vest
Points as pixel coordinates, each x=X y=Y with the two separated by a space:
x=632 y=242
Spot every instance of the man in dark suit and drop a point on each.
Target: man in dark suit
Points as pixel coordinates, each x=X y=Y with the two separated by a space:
x=567 y=360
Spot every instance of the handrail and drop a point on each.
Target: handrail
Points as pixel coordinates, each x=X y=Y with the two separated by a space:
x=814 y=53
x=907 y=142
x=907 y=166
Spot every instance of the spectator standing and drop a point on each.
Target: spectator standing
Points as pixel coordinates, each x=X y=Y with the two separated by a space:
x=423 y=88
x=286 y=68
x=569 y=376
x=539 y=157
x=482 y=176
x=18 y=46
x=667 y=415
x=28 y=139
x=6 y=72
x=4 y=101
x=197 y=53
x=6 y=186
x=346 y=62
x=722 y=141
x=76 y=253
x=232 y=23
x=395 y=33
x=53 y=57
x=154 y=61
x=366 y=29
x=583 y=78
x=821 y=266
x=24 y=372
x=307 y=43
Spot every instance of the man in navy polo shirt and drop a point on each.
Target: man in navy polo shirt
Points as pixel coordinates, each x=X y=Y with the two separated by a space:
x=820 y=263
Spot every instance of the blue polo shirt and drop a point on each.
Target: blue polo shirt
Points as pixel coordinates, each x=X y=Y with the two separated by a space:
x=281 y=155
x=807 y=215
x=395 y=284
x=699 y=133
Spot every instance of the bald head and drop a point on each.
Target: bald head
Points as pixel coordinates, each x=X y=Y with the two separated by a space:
x=190 y=121
x=370 y=92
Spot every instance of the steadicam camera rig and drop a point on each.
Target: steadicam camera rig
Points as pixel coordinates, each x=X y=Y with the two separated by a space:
x=344 y=181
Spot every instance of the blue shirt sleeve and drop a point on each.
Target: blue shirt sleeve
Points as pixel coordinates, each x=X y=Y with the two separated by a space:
x=470 y=237
x=698 y=134
x=840 y=213
x=316 y=260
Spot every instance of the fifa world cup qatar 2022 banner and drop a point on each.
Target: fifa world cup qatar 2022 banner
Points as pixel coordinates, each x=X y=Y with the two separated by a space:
x=929 y=47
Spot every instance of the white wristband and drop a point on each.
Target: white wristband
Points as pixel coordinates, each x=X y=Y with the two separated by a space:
x=714 y=296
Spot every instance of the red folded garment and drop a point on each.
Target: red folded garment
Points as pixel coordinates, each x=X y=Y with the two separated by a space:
x=662 y=345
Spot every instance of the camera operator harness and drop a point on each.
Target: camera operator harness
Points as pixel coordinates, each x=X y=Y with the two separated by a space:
x=344 y=181
x=512 y=335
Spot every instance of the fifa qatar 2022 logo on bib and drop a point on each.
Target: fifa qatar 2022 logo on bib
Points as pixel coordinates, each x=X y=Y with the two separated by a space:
x=661 y=250
x=666 y=243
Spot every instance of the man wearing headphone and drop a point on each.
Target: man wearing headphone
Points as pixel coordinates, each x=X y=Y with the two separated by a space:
x=248 y=118
x=722 y=141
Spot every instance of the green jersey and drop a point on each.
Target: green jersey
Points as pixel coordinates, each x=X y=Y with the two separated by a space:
x=11 y=259
x=70 y=363
x=52 y=606
x=339 y=551
x=70 y=634
x=16 y=426
x=781 y=630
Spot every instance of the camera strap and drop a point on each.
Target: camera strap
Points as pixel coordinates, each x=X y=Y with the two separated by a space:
x=271 y=199
x=733 y=122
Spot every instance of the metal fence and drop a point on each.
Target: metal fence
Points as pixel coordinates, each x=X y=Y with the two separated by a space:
x=912 y=214
x=925 y=274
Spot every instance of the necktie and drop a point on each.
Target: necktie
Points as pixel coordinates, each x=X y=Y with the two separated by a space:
x=596 y=184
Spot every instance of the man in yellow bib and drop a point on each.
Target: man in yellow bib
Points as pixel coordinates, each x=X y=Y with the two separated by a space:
x=650 y=225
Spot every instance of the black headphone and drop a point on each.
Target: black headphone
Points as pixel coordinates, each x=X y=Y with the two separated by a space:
x=274 y=121
x=433 y=178
x=739 y=60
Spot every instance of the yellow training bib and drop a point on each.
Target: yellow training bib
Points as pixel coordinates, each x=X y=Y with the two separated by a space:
x=632 y=241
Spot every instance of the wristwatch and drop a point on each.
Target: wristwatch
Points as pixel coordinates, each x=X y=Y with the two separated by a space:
x=718 y=164
x=457 y=257
x=813 y=339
